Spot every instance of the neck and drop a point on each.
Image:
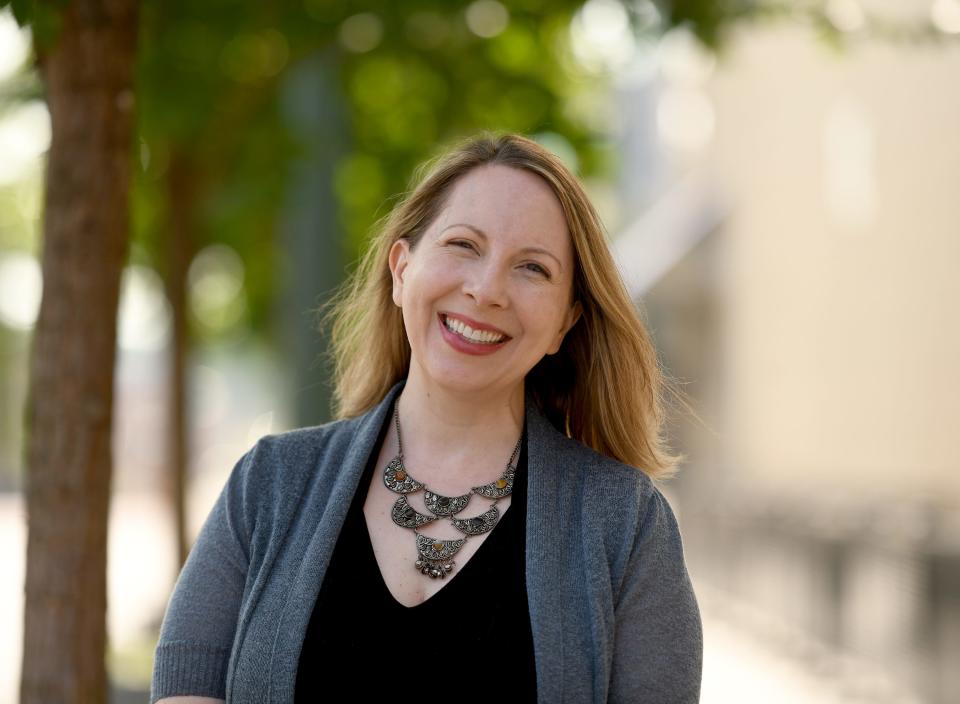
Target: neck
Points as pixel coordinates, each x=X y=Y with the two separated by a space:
x=456 y=433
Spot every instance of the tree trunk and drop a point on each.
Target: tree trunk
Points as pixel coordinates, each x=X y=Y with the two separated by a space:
x=89 y=82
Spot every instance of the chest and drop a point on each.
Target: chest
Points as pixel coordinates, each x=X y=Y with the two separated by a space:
x=395 y=547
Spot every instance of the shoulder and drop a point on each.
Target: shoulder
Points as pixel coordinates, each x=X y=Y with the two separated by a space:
x=641 y=531
x=304 y=443
x=612 y=496
x=621 y=512
x=604 y=478
x=624 y=494
x=329 y=441
x=276 y=469
x=270 y=482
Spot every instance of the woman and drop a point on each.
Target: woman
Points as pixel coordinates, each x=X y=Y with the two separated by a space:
x=475 y=525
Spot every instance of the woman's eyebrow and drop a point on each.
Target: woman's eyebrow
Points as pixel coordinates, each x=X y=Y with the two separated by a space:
x=483 y=235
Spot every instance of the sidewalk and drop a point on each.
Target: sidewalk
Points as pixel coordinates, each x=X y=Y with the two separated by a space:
x=751 y=658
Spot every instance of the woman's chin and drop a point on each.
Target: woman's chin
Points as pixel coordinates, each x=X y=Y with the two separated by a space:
x=466 y=381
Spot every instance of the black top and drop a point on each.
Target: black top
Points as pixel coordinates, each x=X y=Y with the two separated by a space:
x=464 y=644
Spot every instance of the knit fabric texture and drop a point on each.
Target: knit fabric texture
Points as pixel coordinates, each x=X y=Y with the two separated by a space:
x=612 y=609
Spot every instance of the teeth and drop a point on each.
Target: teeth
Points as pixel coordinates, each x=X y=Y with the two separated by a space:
x=466 y=331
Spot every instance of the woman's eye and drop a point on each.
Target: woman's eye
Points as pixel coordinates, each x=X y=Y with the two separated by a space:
x=538 y=269
x=462 y=243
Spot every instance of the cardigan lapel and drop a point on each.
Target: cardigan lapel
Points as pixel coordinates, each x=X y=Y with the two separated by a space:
x=544 y=552
x=544 y=547
x=303 y=593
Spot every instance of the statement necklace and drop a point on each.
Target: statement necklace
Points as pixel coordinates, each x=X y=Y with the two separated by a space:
x=435 y=555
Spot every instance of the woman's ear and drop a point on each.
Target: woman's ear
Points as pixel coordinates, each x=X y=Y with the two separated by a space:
x=573 y=315
x=399 y=257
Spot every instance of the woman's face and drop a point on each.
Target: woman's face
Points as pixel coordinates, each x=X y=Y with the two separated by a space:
x=487 y=291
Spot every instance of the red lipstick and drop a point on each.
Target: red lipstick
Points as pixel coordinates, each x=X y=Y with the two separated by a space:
x=462 y=344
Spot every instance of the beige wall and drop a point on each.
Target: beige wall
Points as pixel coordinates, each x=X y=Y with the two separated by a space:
x=841 y=268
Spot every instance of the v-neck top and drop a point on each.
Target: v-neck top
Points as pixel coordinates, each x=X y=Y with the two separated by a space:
x=611 y=605
x=464 y=643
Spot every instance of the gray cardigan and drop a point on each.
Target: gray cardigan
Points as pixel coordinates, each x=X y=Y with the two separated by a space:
x=612 y=609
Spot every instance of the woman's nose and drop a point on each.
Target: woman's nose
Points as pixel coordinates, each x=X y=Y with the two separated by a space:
x=487 y=286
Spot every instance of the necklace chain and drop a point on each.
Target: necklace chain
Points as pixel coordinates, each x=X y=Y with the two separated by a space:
x=396 y=420
x=435 y=555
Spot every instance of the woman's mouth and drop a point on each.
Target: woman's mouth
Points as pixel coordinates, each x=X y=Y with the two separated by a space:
x=483 y=337
x=465 y=339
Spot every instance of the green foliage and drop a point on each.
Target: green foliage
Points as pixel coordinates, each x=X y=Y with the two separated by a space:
x=410 y=77
x=207 y=79
x=407 y=78
x=431 y=80
x=44 y=17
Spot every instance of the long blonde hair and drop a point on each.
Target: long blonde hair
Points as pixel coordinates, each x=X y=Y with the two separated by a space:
x=604 y=387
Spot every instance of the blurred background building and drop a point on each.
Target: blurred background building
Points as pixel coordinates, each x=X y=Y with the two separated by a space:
x=784 y=207
x=811 y=309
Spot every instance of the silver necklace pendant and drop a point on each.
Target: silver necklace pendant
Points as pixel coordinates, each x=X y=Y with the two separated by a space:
x=396 y=478
x=445 y=505
x=435 y=555
x=478 y=524
x=407 y=516
x=433 y=568
x=499 y=488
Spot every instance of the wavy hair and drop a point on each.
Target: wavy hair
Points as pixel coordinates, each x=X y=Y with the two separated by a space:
x=604 y=387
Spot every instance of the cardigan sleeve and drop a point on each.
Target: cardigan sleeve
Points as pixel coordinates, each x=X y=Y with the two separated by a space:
x=658 y=639
x=198 y=628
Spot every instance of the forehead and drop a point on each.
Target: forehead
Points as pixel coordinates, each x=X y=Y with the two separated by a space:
x=508 y=203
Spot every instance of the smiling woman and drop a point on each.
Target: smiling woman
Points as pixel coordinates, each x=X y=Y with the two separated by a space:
x=484 y=505
x=491 y=276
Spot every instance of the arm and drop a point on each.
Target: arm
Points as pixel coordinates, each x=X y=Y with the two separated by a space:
x=198 y=628
x=658 y=643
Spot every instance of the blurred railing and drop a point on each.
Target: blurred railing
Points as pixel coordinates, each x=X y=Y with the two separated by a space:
x=875 y=582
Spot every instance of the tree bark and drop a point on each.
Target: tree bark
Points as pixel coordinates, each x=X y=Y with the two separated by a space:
x=88 y=77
